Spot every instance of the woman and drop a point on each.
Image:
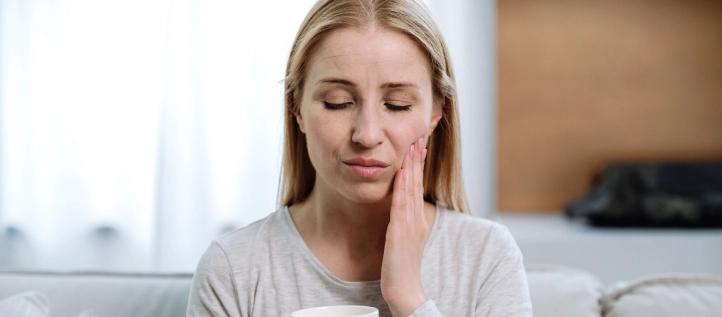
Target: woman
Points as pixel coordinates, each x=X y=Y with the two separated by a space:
x=373 y=209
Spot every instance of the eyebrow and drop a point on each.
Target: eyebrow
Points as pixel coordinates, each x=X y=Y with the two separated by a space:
x=349 y=83
x=336 y=81
x=398 y=85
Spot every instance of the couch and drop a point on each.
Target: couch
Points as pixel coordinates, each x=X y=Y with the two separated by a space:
x=556 y=292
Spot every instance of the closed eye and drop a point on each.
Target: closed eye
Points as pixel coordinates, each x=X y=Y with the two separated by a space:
x=393 y=107
x=335 y=106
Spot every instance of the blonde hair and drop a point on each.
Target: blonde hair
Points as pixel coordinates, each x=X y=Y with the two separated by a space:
x=443 y=181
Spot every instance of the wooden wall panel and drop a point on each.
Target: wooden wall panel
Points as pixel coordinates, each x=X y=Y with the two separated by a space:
x=586 y=83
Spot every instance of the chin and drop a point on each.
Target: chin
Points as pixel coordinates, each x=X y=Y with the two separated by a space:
x=368 y=193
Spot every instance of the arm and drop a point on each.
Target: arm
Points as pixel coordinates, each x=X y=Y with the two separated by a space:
x=213 y=292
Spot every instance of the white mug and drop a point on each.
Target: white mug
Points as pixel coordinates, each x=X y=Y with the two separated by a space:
x=337 y=311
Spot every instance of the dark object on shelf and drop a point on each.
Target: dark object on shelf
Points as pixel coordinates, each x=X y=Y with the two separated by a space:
x=654 y=195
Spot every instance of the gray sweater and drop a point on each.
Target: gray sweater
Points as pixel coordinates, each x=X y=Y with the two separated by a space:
x=471 y=267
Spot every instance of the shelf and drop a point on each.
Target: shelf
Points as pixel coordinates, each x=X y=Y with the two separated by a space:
x=615 y=254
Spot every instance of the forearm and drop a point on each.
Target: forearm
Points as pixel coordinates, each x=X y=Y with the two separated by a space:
x=407 y=306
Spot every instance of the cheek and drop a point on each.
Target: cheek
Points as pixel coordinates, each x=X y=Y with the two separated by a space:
x=324 y=136
x=407 y=132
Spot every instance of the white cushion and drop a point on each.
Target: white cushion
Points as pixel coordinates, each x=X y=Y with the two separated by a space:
x=558 y=291
x=104 y=294
x=31 y=304
x=88 y=313
x=26 y=304
x=698 y=296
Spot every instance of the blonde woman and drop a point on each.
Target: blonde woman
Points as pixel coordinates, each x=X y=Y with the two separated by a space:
x=373 y=210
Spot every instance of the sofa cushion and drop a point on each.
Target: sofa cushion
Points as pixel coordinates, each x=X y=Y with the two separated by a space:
x=660 y=296
x=107 y=294
x=31 y=304
x=558 y=291
x=26 y=304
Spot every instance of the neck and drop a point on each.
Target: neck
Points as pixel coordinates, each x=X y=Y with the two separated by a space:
x=347 y=237
x=356 y=226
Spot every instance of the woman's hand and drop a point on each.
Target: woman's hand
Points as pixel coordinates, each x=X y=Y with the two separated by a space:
x=406 y=237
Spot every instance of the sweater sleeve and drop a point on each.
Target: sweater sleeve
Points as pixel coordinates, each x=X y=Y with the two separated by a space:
x=213 y=292
x=505 y=292
x=427 y=309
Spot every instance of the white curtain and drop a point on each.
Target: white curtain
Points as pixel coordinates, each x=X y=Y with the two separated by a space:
x=134 y=132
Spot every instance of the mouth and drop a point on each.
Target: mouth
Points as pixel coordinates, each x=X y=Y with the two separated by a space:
x=366 y=168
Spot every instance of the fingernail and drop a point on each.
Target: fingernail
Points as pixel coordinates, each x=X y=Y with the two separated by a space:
x=411 y=151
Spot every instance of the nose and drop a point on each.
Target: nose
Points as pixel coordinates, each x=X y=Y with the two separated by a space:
x=367 y=130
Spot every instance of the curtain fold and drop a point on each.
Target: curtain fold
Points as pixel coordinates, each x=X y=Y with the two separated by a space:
x=133 y=133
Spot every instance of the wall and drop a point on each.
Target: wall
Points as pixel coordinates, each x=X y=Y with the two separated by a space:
x=468 y=27
x=585 y=83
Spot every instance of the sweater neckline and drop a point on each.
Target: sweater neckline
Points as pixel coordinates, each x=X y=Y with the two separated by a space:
x=303 y=248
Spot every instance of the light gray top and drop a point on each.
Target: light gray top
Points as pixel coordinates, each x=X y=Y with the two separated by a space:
x=471 y=267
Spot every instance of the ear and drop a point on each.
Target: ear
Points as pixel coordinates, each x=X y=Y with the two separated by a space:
x=436 y=114
x=299 y=118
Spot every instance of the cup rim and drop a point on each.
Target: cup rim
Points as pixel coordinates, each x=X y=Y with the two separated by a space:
x=371 y=310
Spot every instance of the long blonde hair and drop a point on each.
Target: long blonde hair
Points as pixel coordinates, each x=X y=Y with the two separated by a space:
x=442 y=175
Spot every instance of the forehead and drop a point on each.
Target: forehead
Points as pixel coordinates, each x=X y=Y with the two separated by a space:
x=369 y=54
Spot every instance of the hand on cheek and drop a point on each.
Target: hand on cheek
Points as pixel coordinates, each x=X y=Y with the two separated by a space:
x=406 y=237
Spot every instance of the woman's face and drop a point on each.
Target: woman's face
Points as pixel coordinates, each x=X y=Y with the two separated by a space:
x=367 y=97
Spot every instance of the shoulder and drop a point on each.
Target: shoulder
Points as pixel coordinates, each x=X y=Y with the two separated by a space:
x=491 y=257
x=220 y=279
x=231 y=260
x=454 y=225
x=463 y=235
x=238 y=249
x=254 y=234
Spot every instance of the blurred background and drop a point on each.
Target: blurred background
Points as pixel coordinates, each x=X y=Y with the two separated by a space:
x=583 y=85
x=132 y=133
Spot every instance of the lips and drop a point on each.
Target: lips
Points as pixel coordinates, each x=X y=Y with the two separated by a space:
x=366 y=167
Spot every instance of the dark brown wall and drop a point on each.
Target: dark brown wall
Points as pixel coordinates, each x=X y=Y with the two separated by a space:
x=586 y=83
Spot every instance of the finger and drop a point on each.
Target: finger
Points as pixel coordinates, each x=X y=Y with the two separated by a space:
x=405 y=161
x=423 y=165
x=423 y=158
x=418 y=180
x=409 y=185
x=398 y=197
